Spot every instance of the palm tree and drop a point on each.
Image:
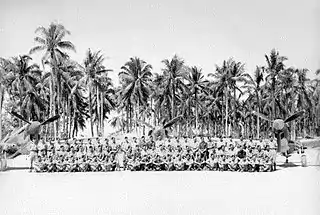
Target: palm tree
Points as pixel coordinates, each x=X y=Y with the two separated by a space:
x=275 y=64
x=175 y=75
x=253 y=87
x=304 y=101
x=135 y=79
x=196 y=85
x=21 y=81
x=50 y=40
x=226 y=78
x=315 y=93
x=78 y=109
x=105 y=101
x=2 y=90
x=93 y=72
x=162 y=98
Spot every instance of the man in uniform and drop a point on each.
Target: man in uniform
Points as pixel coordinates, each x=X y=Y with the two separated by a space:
x=33 y=153
x=273 y=152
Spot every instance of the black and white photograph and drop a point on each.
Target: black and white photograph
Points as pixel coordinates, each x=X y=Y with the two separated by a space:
x=159 y=107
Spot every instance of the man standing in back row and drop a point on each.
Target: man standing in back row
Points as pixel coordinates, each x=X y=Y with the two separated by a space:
x=273 y=152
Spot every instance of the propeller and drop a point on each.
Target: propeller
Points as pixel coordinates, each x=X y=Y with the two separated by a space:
x=52 y=119
x=19 y=117
x=262 y=116
x=294 y=116
x=34 y=127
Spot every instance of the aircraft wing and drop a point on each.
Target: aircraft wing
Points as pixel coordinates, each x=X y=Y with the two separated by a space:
x=16 y=137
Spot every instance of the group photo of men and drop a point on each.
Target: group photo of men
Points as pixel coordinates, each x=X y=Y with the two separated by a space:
x=146 y=154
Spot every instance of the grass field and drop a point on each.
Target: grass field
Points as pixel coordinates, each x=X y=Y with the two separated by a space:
x=291 y=190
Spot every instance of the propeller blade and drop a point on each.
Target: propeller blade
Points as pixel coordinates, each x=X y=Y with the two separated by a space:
x=294 y=116
x=52 y=119
x=19 y=116
x=145 y=123
x=262 y=116
x=171 y=122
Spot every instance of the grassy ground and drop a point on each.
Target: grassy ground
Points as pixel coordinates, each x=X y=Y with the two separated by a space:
x=290 y=190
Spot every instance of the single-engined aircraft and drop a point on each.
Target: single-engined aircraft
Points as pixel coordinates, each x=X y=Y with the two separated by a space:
x=22 y=136
x=280 y=129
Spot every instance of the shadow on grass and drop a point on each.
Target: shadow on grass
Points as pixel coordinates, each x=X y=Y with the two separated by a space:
x=290 y=164
x=16 y=168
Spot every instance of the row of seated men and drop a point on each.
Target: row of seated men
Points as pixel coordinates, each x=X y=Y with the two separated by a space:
x=152 y=156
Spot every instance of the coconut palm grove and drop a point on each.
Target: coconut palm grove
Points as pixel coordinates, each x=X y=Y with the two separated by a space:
x=159 y=107
x=218 y=104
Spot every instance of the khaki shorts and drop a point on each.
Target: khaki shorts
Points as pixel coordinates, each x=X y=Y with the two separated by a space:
x=32 y=155
x=273 y=154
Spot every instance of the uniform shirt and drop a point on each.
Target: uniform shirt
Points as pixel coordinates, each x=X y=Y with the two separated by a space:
x=273 y=145
x=33 y=147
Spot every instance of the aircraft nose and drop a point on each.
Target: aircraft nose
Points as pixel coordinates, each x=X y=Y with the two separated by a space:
x=278 y=124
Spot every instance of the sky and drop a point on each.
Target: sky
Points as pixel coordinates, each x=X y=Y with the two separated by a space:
x=203 y=33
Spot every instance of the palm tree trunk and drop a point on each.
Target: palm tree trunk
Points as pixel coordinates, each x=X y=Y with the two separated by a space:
x=136 y=118
x=137 y=127
x=102 y=114
x=258 y=119
x=226 y=116
x=97 y=110
x=128 y=118
x=64 y=116
x=58 y=107
x=90 y=110
x=51 y=110
x=130 y=111
x=172 y=105
x=304 y=127
x=69 y=118
x=74 y=126
x=155 y=111
x=1 y=104
x=196 y=106
x=273 y=99
x=233 y=125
